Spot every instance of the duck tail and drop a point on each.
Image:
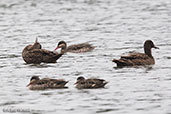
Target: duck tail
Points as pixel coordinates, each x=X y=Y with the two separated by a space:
x=105 y=82
x=121 y=63
x=36 y=41
x=117 y=61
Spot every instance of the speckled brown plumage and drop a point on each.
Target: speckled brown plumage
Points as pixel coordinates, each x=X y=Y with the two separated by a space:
x=77 y=48
x=90 y=83
x=35 y=54
x=46 y=83
x=135 y=59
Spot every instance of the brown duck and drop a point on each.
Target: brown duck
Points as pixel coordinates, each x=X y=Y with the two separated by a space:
x=35 y=54
x=135 y=59
x=46 y=83
x=77 y=48
x=90 y=83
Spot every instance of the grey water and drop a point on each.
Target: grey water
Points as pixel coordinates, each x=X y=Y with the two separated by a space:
x=115 y=27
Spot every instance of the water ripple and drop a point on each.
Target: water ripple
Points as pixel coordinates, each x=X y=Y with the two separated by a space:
x=115 y=27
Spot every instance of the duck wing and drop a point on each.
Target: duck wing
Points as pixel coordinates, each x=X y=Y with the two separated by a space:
x=134 y=59
x=54 y=83
x=49 y=56
x=33 y=56
x=43 y=81
x=84 y=84
x=77 y=48
x=97 y=83
x=135 y=56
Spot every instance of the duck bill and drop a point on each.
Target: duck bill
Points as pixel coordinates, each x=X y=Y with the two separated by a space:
x=76 y=83
x=28 y=84
x=156 y=47
x=36 y=41
x=56 y=48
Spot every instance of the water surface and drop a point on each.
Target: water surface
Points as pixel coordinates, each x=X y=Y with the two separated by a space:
x=114 y=27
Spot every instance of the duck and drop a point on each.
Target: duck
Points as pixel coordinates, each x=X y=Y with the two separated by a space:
x=90 y=83
x=34 y=54
x=46 y=83
x=76 y=48
x=137 y=59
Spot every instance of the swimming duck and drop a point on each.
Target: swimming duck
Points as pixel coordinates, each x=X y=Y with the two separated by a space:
x=46 y=83
x=90 y=83
x=77 y=48
x=135 y=59
x=35 y=54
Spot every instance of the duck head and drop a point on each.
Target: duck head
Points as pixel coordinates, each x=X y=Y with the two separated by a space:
x=33 y=80
x=79 y=79
x=147 y=47
x=149 y=44
x=62 y=45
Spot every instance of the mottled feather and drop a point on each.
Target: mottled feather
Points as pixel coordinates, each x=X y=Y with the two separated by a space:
x=35 y=54
x=135 y=59
x=90 y=83
x=76 y=48
x=47 y=83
